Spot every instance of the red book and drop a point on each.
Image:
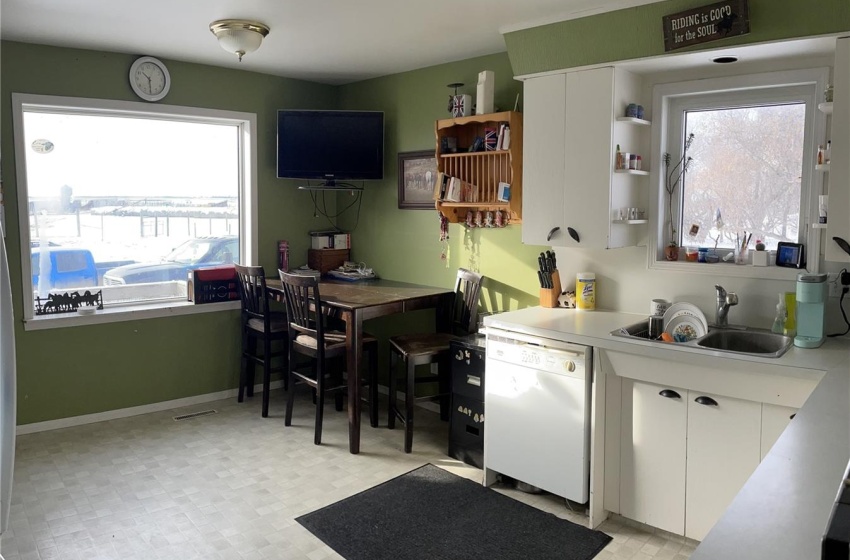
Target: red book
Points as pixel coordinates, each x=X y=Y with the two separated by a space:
x=212 y=273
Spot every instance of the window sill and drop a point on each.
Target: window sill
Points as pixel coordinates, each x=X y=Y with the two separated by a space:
x=771 y=272
x=126 y=313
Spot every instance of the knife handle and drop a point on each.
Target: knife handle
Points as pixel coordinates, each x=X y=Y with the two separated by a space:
x=556 y=281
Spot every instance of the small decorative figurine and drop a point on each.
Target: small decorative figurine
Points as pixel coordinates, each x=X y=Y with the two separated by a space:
x=459 y=105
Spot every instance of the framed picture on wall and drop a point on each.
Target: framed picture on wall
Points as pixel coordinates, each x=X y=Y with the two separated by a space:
x=417 y=174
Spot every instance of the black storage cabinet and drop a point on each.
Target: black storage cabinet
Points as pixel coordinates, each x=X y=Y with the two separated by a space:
x=466 y=423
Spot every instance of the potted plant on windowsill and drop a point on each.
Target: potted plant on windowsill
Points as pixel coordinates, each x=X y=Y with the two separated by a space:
x=672 y=178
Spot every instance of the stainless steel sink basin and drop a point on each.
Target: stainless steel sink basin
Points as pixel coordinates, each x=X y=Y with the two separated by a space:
x=752 y=342
x=762 y=343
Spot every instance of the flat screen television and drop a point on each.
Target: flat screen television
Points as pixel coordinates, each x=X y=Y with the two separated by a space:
x=330 y=145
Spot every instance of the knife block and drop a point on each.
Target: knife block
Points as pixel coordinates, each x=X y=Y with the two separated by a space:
x=549 y=296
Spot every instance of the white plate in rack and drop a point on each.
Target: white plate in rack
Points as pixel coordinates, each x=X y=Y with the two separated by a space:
x=685 y=327
x=685 y=309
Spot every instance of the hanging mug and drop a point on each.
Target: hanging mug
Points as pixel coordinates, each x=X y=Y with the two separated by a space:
x=479 y=219
x=499 y=219
x=470 y=219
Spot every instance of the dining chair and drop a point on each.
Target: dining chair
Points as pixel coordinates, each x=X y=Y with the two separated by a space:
x=429 y=348
x=325 y=347
x=259 y=323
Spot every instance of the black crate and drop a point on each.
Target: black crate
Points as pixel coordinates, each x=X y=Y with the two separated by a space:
x=210 y=291
x=468 y=370
x=466 y=431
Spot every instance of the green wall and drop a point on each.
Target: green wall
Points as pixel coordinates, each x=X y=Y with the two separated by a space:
x=637 y=33
x=404 y=244
x=73 y=371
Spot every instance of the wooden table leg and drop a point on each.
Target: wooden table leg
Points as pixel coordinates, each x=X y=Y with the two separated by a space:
x=354 y=353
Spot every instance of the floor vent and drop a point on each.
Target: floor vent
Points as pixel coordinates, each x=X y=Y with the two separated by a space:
x=195 y=415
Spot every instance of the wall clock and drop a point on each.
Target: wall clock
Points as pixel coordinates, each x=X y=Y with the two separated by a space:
x=149 y=78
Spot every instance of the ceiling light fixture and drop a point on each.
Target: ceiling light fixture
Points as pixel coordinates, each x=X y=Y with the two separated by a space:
x=239 y=36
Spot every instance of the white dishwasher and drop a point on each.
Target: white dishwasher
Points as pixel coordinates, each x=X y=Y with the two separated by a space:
x=537 y=398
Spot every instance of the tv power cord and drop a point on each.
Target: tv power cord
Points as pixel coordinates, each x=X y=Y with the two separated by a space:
x=844 y=276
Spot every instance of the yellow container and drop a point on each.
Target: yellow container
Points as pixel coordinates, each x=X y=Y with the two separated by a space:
x=585 y=291
x=791 y=314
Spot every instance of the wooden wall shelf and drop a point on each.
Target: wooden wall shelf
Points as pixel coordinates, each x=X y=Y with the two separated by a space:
x=483 y=170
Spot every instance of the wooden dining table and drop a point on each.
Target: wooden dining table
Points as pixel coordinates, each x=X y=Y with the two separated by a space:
x=360 y=301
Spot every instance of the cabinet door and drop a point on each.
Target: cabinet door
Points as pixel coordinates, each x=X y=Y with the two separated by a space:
x=774 y=420
x=652 y=455
x=543 y=173
x=589 y=118
x=724 y=438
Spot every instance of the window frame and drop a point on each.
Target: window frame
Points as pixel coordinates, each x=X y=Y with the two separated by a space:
x=670 y=101
x=246 y=124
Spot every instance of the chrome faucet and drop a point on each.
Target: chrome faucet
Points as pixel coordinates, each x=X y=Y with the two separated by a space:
x=724 y=302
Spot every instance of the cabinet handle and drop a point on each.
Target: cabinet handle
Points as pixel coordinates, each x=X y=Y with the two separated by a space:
x=708 y=401
x=574 y=234
x=552 y=232
x=670 y=394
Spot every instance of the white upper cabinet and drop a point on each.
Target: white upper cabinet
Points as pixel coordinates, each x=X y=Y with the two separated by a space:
x=544 y=173
x=568 y=174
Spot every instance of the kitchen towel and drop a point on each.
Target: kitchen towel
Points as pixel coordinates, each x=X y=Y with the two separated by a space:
x=430 y=513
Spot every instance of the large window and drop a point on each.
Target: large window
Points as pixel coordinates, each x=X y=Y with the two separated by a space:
x=126 y=199
x=751 y=145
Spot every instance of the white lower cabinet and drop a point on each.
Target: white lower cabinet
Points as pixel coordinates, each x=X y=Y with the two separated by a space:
x=774 y=420
x=724 y=442
x=684 y=455
x=652 y=455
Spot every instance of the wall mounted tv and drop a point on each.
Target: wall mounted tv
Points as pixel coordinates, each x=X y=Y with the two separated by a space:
x=330 y=145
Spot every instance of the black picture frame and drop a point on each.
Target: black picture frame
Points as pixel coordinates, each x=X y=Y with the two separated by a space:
x=791 y=255
x=417 y=175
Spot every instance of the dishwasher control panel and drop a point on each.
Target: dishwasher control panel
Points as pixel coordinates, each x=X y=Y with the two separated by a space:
x=551 y=356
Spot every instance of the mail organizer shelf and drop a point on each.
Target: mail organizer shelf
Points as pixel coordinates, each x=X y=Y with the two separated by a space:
x=481 y=170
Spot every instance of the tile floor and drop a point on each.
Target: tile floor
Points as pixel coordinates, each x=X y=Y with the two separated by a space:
x=227 y=486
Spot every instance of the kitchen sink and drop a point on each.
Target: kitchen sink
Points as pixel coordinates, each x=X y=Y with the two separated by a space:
x=752 y=342
x=762 y=343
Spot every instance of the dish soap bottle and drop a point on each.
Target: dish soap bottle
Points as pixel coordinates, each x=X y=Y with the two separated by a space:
x=779 y=320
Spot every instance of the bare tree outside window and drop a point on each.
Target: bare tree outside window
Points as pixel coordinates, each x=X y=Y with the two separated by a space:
x=748 y=164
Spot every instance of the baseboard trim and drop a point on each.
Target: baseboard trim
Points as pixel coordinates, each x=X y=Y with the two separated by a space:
x=165 y=405
x=134 y=410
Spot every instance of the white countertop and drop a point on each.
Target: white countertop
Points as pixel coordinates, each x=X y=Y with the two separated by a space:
x=783 y=509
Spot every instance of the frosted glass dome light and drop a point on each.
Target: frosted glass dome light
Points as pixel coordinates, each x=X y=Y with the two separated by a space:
x=239 y=37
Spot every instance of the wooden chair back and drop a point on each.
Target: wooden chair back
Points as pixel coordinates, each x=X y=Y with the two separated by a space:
x=253 y=293
x=464 y=313
x=303 y=305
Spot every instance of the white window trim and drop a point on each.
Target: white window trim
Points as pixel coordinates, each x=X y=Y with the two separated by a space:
x=665 y=95
x=247 y=125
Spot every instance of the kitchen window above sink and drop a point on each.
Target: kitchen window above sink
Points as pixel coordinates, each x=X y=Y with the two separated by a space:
x=752 y=169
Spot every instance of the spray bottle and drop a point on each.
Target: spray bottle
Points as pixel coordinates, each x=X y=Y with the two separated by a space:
x=779 y=320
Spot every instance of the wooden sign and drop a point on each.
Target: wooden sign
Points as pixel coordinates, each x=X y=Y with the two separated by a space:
x=706 y=24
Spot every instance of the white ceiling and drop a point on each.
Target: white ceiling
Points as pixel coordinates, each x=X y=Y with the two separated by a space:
x=329 y=41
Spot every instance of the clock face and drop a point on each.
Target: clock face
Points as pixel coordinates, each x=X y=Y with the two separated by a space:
x=149 y=78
